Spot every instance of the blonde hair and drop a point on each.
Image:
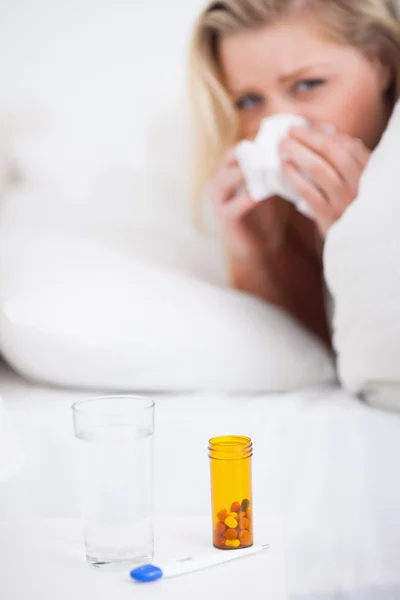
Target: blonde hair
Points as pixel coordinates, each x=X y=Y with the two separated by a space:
x=361 y=23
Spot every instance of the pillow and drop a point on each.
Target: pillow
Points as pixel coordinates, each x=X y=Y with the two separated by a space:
x=109 y=298
x=115 y=322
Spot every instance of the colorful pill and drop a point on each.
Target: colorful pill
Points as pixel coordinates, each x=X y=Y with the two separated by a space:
x=234 y=528
x=244 y=536
x=219 y=540
x=222 y=515
x=246 y=543
x=220 y=528
x=231 y=534
x=230 y=522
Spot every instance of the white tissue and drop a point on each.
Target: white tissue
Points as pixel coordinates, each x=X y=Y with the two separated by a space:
x=261 y=163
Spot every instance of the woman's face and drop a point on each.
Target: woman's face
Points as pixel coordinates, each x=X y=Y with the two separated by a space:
x=291 y=68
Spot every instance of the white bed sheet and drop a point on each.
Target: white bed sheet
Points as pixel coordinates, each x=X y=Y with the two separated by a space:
x=326 y=466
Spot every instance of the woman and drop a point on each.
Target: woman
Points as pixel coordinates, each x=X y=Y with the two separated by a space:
x=331 y=61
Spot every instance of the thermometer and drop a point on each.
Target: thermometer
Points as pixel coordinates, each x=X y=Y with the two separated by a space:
x=190 y=564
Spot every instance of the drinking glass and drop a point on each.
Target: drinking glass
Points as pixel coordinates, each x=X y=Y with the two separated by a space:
x=115 y=435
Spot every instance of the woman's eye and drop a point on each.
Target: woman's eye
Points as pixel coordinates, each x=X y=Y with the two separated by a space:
x=249 y=102
x=307 y=85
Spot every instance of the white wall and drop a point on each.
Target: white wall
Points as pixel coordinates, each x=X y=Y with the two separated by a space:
x=93 y=68
x=93 y=115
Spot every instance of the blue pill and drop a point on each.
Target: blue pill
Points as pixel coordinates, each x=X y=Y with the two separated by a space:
x=146 y=573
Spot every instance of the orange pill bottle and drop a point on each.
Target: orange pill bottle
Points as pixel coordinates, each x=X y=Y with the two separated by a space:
x=231 y=491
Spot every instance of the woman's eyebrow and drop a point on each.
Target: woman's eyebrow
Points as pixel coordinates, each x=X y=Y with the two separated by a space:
x=245 y=92
x=300 y=72
x=282 y=79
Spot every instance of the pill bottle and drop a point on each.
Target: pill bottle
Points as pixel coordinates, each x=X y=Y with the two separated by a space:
x=231 y=491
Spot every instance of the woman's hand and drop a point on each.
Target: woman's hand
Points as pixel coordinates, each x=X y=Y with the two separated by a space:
x=267 y=256
x=248 y=226
x=334 y=163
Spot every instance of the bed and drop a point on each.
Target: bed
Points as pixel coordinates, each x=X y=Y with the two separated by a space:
x=110 y=186
x=325 y=467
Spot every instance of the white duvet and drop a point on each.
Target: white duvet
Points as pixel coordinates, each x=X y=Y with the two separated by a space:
x=362 y=268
